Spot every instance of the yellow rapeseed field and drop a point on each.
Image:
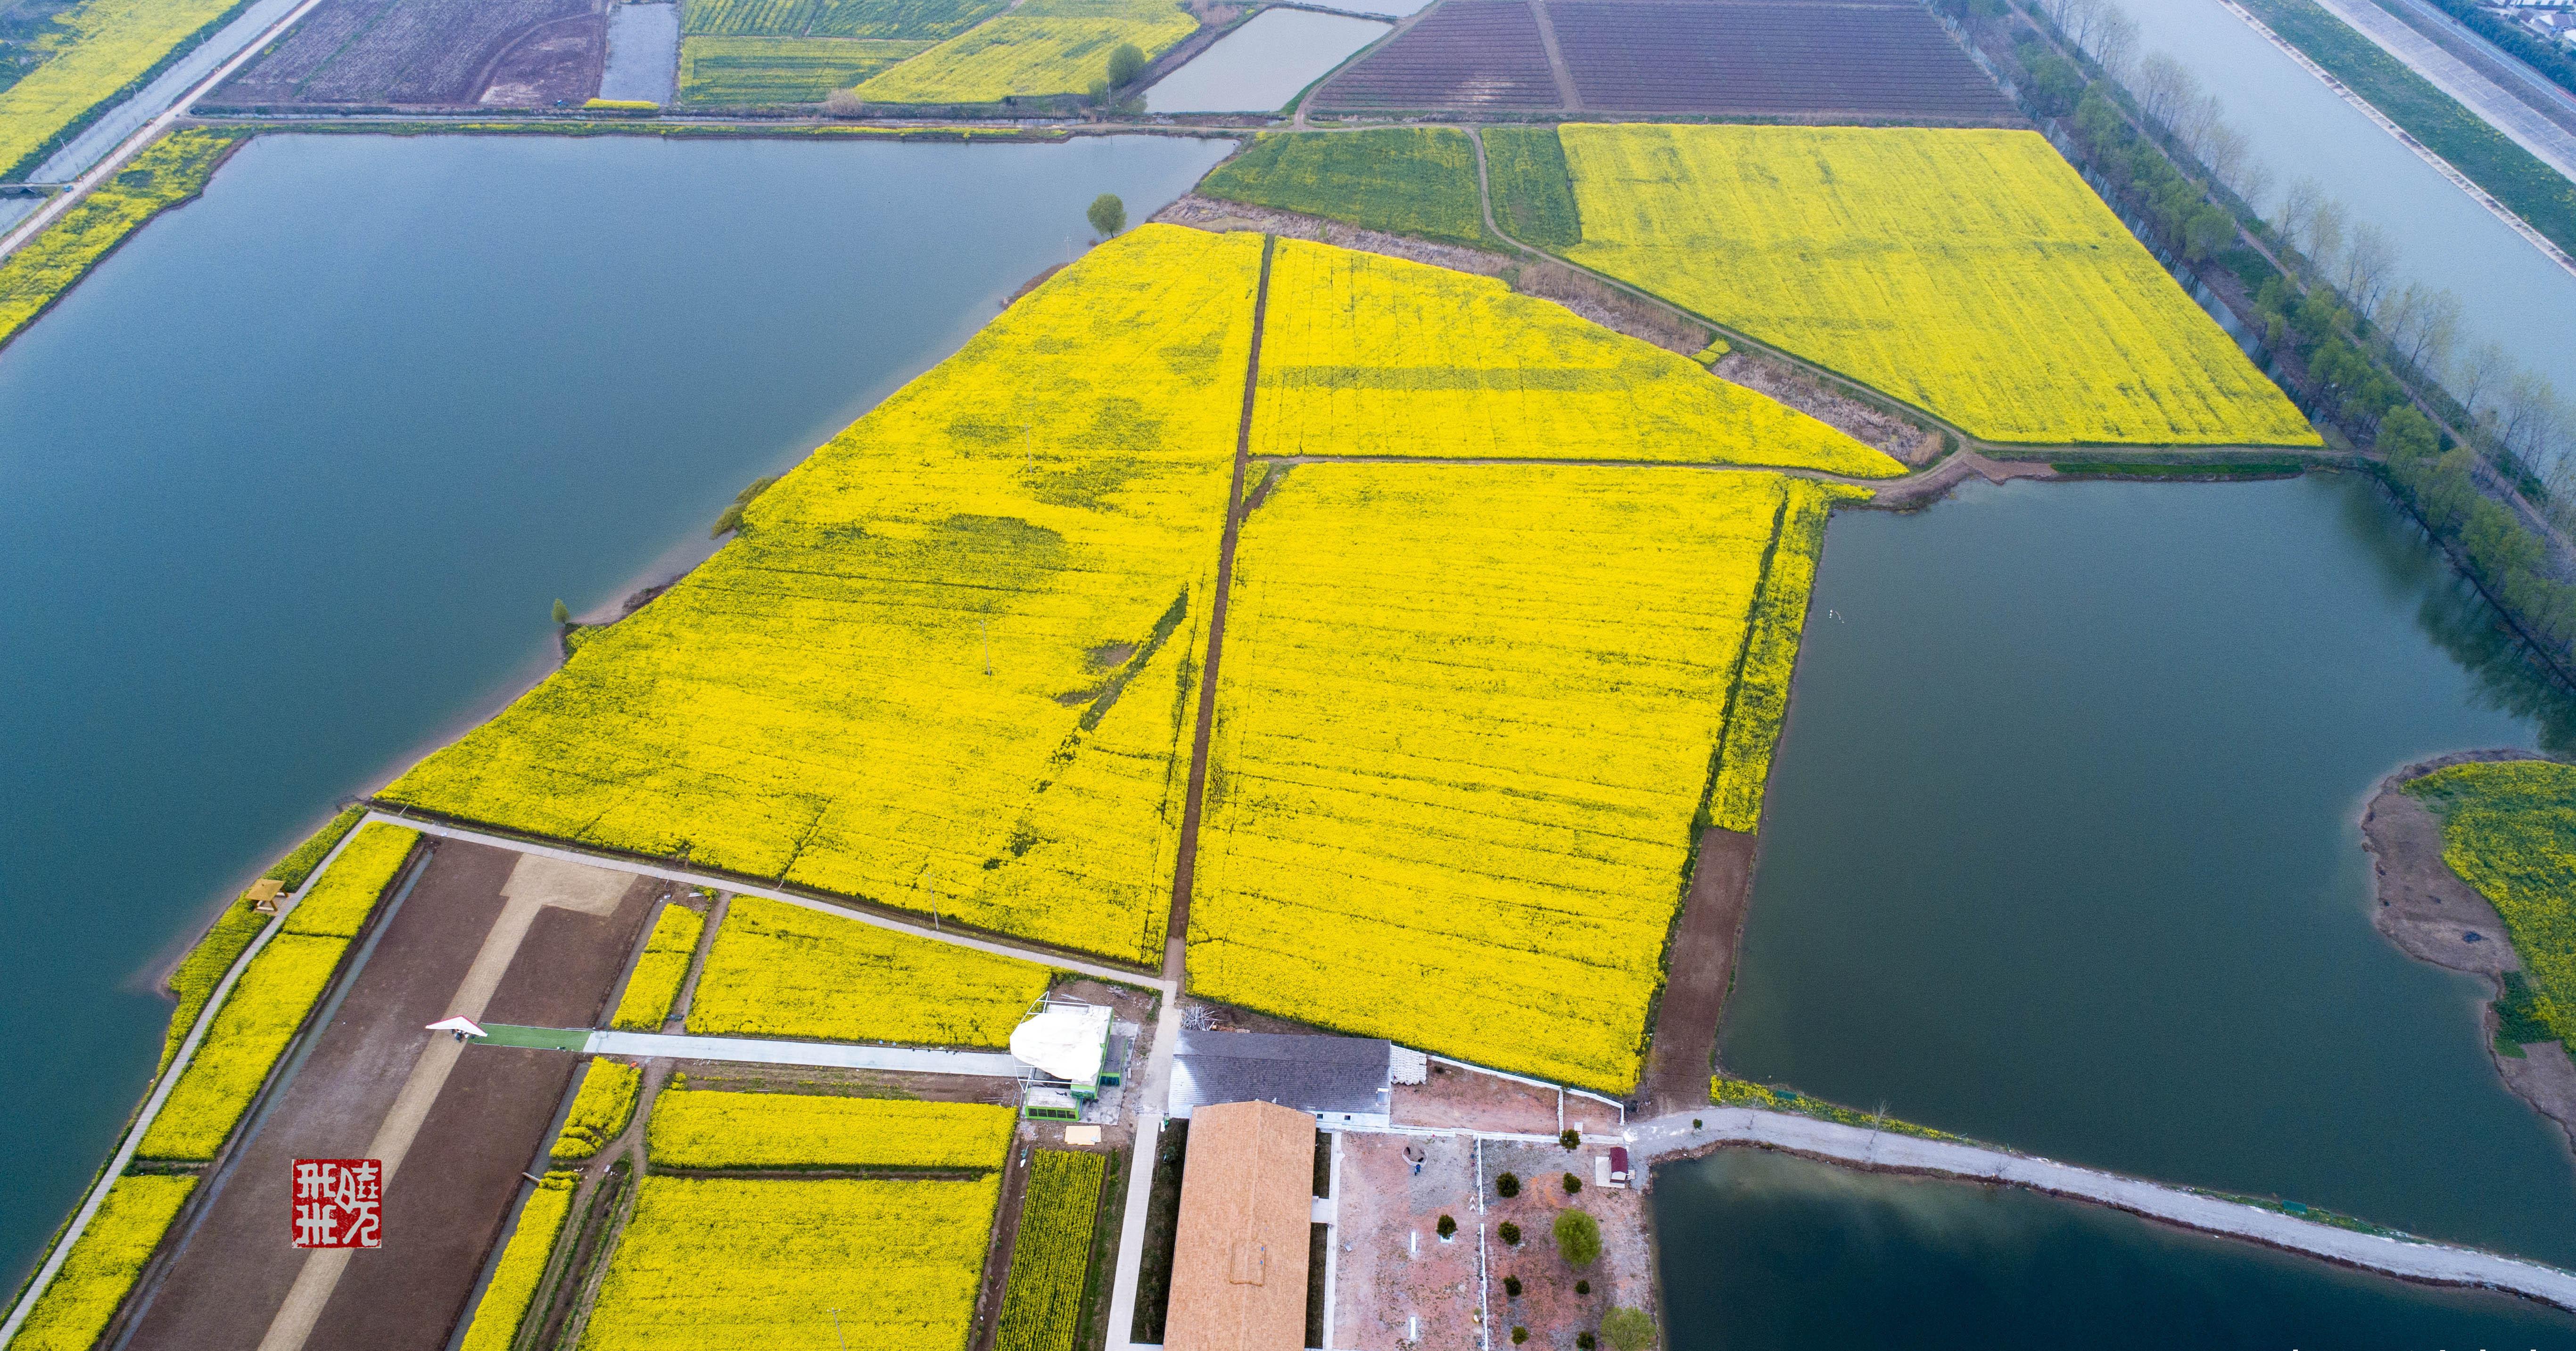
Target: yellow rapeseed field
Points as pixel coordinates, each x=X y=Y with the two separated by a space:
x=1969 y=272
x=1368 y=355
x=945 y=662
x=1042 y=47
x=97 y=49
x=700 y=1128
x=270 y=1000
x=714 y=1264
x=646 y=1002
x=1467 y=718
x=780 y=970
x=167 y=172
x=601 y=1108
x=523 y=1265
x=103 y=1264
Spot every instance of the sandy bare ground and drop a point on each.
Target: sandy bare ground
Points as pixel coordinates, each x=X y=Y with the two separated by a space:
x=1701 y=972
x=2430 y=914
x=1455 y=1099
x=1400 y=1285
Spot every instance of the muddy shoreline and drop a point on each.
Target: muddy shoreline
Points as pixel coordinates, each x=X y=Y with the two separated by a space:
x=2433 y=916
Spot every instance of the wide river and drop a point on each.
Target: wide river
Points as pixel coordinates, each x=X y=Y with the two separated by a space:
x=291 y=481
x=2063 y=847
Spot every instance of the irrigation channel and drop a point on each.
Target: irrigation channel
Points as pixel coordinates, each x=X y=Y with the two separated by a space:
x=311 y=457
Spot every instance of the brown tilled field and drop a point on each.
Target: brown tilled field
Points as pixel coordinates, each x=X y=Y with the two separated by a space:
x=1771 y=59
x=1794 y=60
x=429 y=53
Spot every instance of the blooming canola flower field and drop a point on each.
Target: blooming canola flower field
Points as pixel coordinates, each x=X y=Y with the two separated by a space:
x=2506 y=830
x=703 y=1128
x=1368 y=355
x=1969 y=272
x=711 y=1264
x=780 y=970
x=1466 y=725
x=946 y=663
x=1038 y=48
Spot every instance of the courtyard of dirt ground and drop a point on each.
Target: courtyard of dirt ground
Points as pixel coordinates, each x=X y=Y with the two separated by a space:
x=546 y=945
x=1397 y=1284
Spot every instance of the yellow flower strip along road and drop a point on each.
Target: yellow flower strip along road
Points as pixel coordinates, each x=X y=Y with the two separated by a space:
x=1465 y=722
x=523 y=1264
x=101 y=46
x=646 y=1003
x=269 y=1002
x=1971 y=273
x=600 y=1109
x=1043 y=47
x=1368 y=355
x=779 y=970
x=717 y=1264
x=1051 y=1257
x=2510 y=831
x=203 y=968
x=111 y=1252
x=701 y=1128
x=927 y=630
x=167 y=172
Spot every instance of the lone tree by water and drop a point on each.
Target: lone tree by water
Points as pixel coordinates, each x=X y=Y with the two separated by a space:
x=1125 y=64
x=1108 y=214
x=562 y=614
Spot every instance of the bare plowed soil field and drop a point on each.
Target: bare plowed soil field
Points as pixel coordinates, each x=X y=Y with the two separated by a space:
x=1777 y=58
x=1467 y=54
x=429 y=53
x=1794 y=60
x=455 y=1172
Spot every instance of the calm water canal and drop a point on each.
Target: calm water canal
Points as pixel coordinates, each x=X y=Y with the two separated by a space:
x=1763 y=1251
x=2063 y=847
x=2509 y=291
x=291 y=481
x=1261 y=66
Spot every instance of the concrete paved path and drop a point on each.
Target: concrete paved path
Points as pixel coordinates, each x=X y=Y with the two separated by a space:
x=2411 y=1259
x=2502 y=108
x=758 y=1051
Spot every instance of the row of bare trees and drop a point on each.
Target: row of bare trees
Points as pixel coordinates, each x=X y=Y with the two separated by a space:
x=2517 y=413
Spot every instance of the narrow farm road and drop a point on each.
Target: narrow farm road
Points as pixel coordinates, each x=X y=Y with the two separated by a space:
x=1185 y=869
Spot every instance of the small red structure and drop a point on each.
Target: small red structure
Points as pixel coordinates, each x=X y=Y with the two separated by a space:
x=339 y=1203
x=1618 y=1165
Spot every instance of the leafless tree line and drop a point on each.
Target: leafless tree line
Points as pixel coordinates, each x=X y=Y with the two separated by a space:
x=2518 y=410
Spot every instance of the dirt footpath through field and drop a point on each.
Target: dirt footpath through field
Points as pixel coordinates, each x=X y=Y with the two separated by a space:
x=2432 y=916
x=523 y=940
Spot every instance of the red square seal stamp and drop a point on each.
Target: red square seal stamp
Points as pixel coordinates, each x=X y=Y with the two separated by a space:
x=339 y=1203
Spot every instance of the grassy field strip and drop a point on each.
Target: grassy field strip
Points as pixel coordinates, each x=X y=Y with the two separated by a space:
x=1969 y=273
x=1403 y=180
x=178 y=1064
